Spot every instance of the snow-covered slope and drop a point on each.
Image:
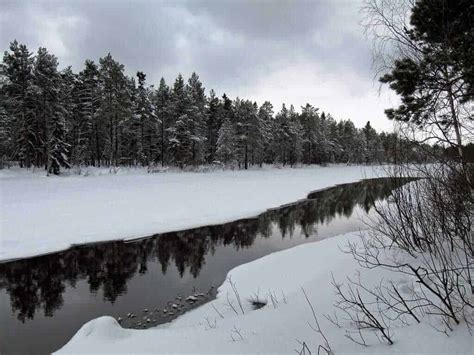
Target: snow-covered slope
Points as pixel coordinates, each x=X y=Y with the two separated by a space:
x=42 y=214
x=280 y=326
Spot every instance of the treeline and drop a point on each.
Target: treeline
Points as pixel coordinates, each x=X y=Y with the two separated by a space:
x=100 y=116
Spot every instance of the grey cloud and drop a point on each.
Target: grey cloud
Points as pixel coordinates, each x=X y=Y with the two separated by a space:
x=270 y=20
x=232 y=45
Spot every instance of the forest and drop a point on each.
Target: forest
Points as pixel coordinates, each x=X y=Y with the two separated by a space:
x=56 y=119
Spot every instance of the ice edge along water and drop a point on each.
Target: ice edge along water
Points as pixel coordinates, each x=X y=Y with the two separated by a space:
x=42 y=215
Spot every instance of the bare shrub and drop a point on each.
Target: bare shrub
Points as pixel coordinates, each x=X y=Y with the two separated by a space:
x=423 y=234
x=363 y=315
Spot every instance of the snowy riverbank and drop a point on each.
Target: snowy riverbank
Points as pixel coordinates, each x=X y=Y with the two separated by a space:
x=42 y=214
x=281 y=324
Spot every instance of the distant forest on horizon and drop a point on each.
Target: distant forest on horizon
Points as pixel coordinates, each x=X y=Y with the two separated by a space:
x=55 y=119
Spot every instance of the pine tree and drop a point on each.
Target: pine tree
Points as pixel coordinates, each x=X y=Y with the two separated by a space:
x=68 y=106
x=88 y=132
x=145 y=116
x=17 y=102
x=180 y=140
x=48 y=109
x=322 y=144
x=347 y=140
x=265 y=114
x=164 y=119
x=434 y=73
x=309 y=119
x=372 y=143
x=258 y=135
x=281 y=136
x=58 y=148
x=7 y=143
x=245 y=112
x=213 y=123
x=116 y=106
x=226 y=142
x=197 y=118
x=295 y=131
x=333 y=139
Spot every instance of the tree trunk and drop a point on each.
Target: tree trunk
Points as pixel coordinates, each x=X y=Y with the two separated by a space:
x=457 y=131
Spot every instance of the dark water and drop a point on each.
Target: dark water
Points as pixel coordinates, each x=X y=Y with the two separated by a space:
x=45 y=300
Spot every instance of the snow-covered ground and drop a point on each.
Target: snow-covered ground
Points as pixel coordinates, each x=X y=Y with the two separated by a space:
x=278 y=327
x=42 y=214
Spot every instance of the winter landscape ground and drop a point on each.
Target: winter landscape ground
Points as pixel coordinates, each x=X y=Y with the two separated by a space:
x=283 y=324
x=46 y=214
x=131 y=204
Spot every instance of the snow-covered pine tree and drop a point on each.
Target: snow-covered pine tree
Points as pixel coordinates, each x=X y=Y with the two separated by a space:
x=88 y=131
x=46 y=88
x=257 y=136
x=373 y=144
x=180 y=141
x=281 y=143
x=68 y=103
x=16 y=72
x=265 y=113
x=347 y=134
x=332 y=136
x=7 y=143
x=197 y=113
x=295 y=137
x=116 y=107
x=213 y=124
x=309 y=119
x=323 y=144
x=244 y=110
x=163 y=119
x=58 y=147
x=360 y=146
x=226 y=143
x=145 y=118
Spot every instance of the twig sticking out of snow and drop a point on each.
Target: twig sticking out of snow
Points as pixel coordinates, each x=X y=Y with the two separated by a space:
x=237 y=296
x=235 y=334
x=317 y=328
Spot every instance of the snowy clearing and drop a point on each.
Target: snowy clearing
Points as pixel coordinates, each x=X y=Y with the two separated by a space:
x=277 y=327
x=42 y=214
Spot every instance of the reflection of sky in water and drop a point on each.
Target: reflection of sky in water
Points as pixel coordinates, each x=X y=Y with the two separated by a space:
x=116 y=278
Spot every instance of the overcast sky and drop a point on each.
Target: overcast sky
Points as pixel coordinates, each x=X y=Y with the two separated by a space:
x=282 y=51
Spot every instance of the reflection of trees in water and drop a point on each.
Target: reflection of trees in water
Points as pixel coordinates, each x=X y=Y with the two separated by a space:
x=38 y=283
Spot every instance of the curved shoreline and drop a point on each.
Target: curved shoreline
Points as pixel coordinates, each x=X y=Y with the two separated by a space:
x=211 y=201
